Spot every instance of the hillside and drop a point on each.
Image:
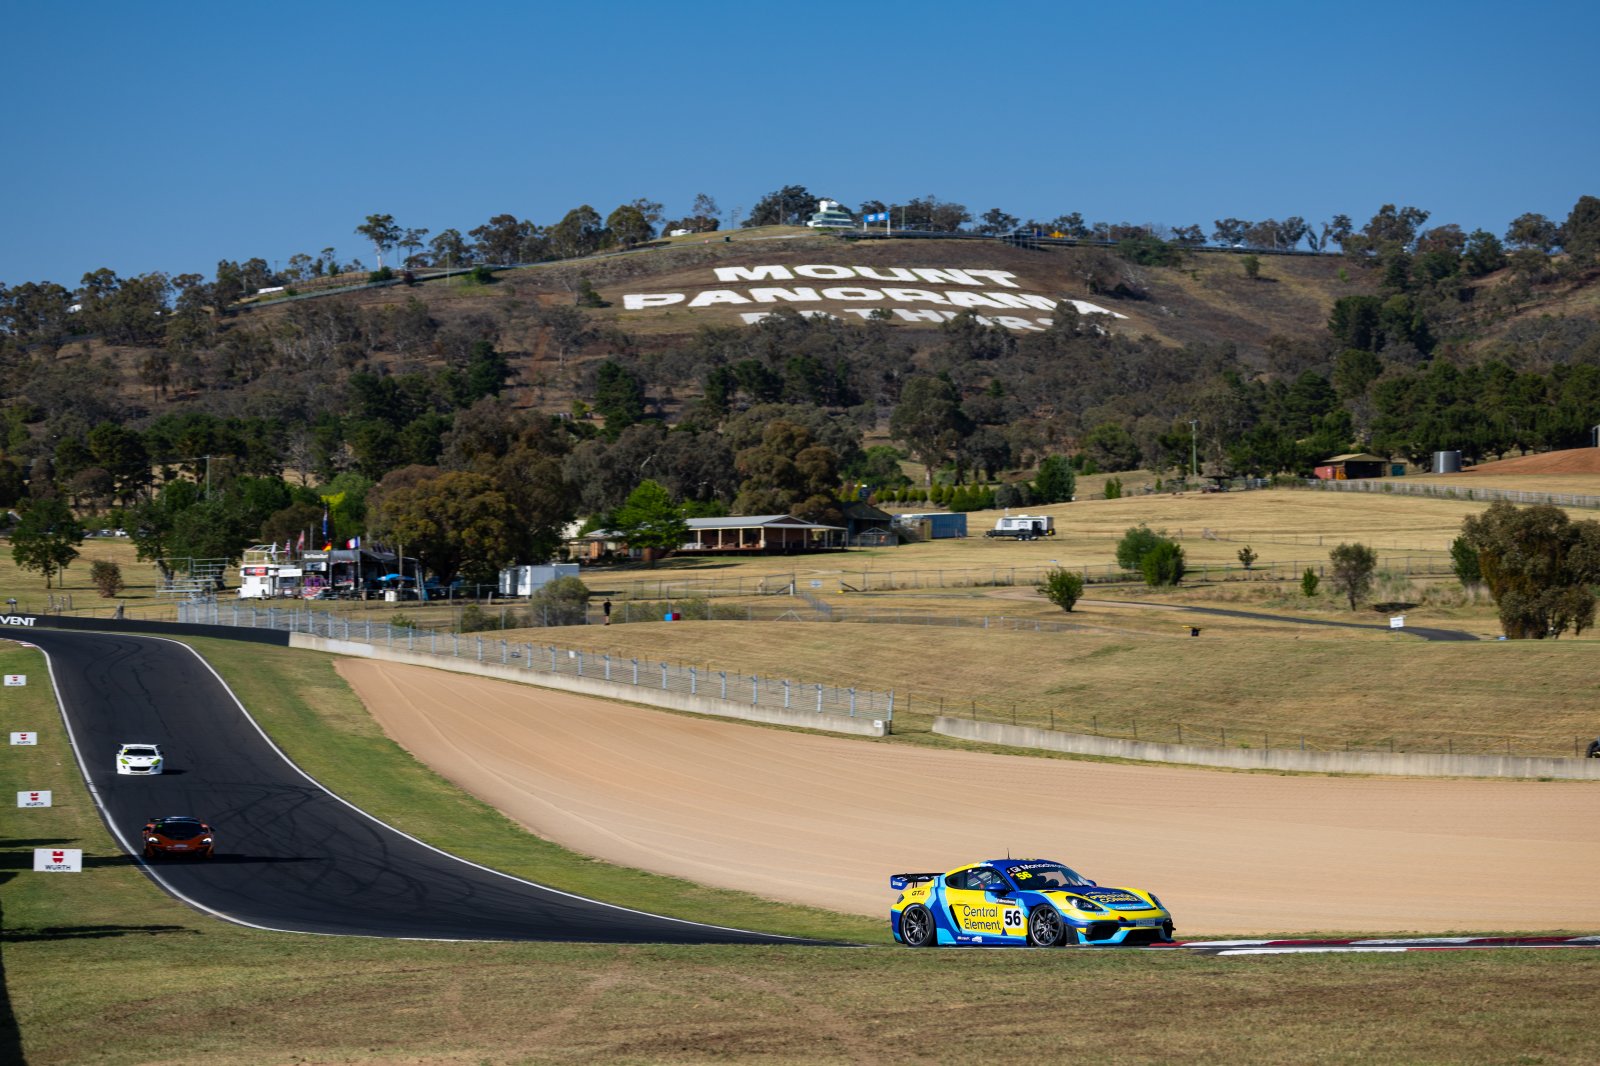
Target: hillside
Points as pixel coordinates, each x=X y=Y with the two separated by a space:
x=237 y=365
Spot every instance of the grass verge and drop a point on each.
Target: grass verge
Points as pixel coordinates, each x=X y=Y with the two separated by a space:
x=103 y=966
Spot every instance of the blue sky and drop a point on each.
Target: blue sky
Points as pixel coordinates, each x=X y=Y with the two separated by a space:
x=166 y=137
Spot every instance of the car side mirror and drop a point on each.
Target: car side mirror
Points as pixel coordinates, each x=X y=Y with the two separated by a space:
x=999 y=890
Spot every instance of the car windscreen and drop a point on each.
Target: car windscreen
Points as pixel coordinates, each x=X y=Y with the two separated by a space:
x=180 y=830
x=142 y=753
x=1044 y=876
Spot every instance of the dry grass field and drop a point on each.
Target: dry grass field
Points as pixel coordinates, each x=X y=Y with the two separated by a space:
x=1122 y=663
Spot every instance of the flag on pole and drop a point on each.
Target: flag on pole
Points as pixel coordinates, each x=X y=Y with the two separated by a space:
x=324 y=521
x=302 y=544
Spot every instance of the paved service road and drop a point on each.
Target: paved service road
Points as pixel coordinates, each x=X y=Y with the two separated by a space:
x=291 y=856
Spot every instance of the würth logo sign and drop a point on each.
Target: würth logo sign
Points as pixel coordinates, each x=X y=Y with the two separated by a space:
x=58 y=860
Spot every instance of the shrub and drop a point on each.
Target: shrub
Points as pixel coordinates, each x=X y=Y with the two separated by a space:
x=480 y=275
x=1149 y=251
x=1252 y=267
x=587 y=296
x=1062 y=588
x=1162 y=564
x=1353 y=565
x=106 y=577
x=1012 y=495
x=1247 y=558
x=1135 y=543
x=381 y=274
x=1113 y=488
x=1464 y=561
x=1055 y=482
x=562 y=602
x=1309 y=582
x=475 y=619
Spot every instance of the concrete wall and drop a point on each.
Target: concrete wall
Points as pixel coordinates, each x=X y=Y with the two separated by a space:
x=610 y=690
x=1354 y=762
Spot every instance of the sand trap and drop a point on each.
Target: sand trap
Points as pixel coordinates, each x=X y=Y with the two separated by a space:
x=825 y=821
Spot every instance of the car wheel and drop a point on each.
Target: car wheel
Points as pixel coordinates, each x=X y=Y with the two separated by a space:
x=1045 y=927
x=916 y=926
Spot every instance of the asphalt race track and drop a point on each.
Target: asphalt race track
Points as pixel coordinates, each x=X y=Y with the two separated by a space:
x=290 y=855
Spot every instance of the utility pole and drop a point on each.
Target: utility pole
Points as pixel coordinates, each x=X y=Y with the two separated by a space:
x=1194 y=452
x=207 y=458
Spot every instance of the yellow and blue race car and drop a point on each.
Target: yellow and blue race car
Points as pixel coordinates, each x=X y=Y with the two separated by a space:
x=1020 y=902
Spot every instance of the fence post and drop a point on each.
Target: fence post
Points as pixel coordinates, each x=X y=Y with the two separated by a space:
x=480 y=649
x=755 y=690
x=724 y=675
x=786 y=696
x=636 y=672
x=608 y=667
x=663 y=677
x=580 y=663
x=852 y=703
x=505 y=653
x=819 y=699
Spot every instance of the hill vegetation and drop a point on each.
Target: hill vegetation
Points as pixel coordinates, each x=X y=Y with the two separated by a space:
x=765 y=368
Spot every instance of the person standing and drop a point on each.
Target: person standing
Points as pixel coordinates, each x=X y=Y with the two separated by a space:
x=606 y=610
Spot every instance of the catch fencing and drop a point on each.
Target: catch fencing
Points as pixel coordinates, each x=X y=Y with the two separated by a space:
x=746 y=690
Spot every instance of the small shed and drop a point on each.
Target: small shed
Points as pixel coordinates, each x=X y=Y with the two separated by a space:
x=935 y=525
x=1351 y=467
x=866 y=524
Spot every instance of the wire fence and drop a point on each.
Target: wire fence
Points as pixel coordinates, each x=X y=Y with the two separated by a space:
x=1450 y=492
x=749 y=690
x=667 y=588
x=1163 y=730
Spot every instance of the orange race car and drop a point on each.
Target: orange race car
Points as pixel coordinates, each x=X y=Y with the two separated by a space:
x=178 y=834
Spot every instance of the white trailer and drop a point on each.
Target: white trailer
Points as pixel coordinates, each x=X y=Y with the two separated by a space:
x=1023 y=526
x=526 y=580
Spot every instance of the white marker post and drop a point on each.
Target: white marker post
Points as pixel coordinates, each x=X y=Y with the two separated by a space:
x=34 y=799
x=24 y=738
x=58 y=860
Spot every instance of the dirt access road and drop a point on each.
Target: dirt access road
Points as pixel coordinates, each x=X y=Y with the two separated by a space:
x=825 y=820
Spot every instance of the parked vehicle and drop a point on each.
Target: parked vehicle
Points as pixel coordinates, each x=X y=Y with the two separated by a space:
x=1023 y=526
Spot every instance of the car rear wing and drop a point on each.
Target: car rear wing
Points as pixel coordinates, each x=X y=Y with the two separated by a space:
x=900 y=882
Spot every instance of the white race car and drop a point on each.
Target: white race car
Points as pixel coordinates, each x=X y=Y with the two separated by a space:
x=138 y=759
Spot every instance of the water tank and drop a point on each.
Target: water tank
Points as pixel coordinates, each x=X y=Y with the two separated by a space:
x=1447 y=462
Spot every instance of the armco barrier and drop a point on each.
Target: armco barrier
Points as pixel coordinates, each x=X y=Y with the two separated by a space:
x=588 y=686
x=1328 y=762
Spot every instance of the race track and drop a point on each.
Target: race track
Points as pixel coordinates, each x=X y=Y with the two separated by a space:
x=290 y=855
x=825 y=820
